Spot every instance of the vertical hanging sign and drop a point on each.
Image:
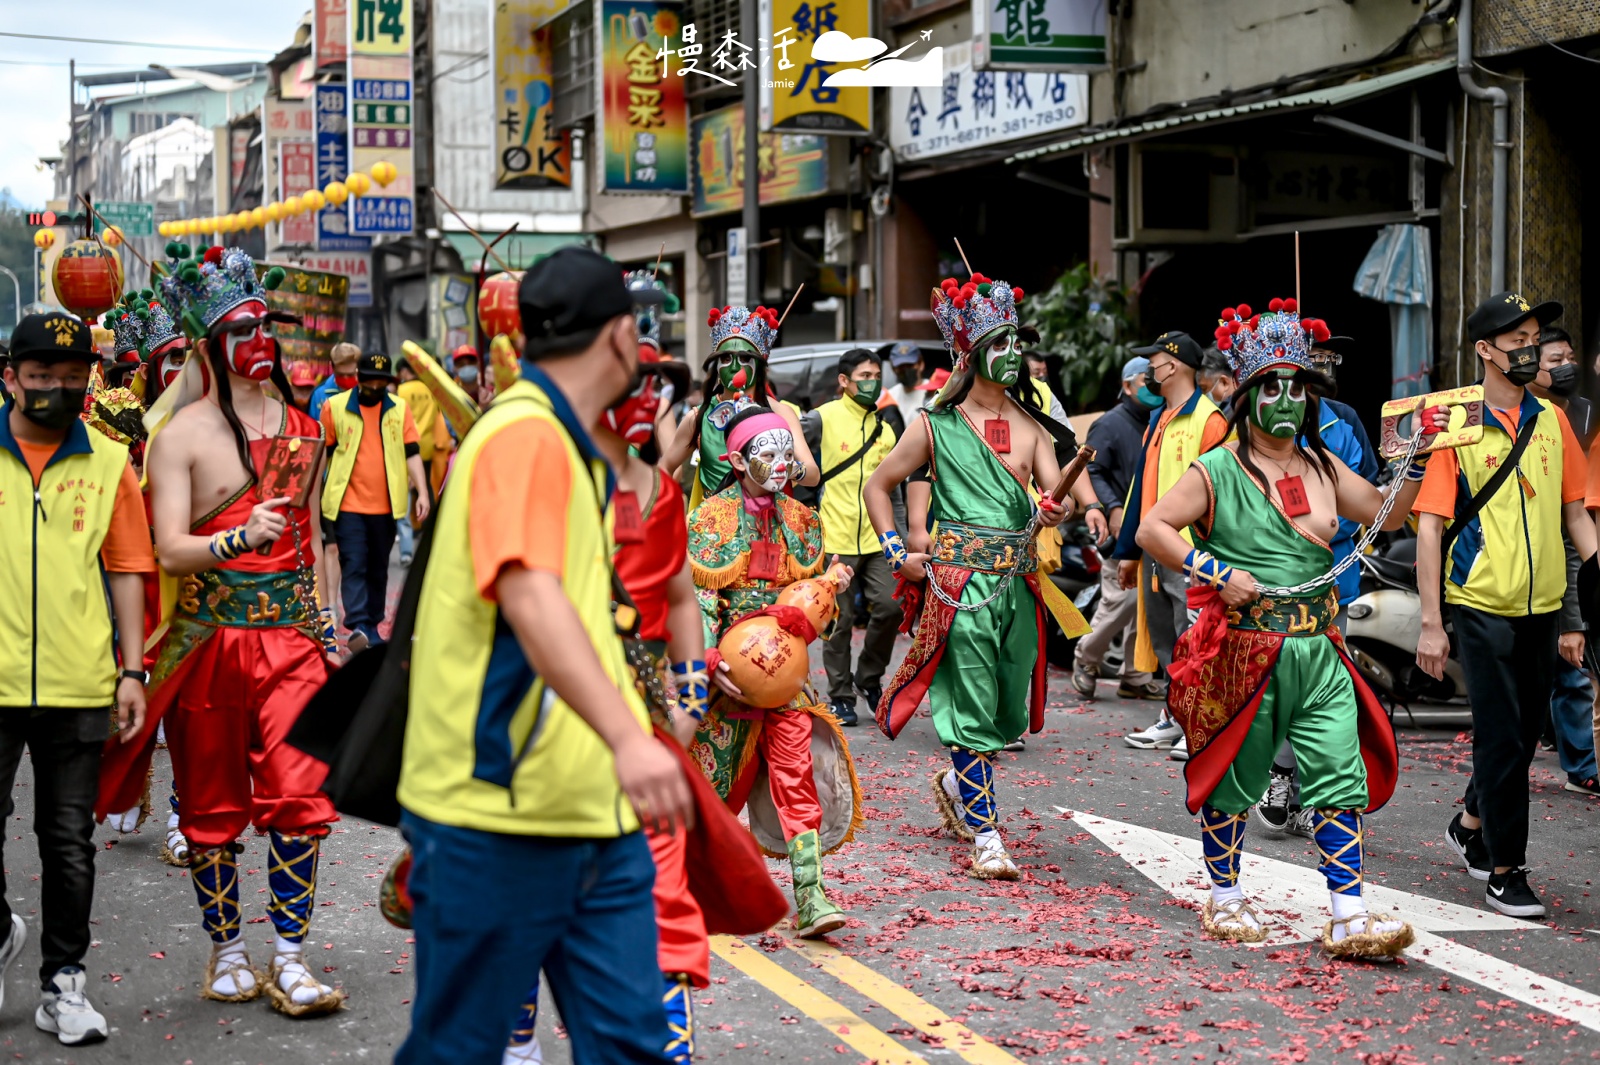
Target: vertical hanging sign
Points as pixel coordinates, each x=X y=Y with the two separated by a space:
x=331 y=109
x=380 y=102
x=529 y=152
x=644 y=117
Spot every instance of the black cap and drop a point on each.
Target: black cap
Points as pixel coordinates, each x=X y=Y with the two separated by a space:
x=54 y=336
x=375 y=365
x=1500 y=312
x=567 y=297
x=1178 y=344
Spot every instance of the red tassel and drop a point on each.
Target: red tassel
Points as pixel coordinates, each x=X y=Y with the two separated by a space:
x=1203 y=641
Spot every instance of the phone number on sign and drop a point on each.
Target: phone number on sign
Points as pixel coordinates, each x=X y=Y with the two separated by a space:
x=1009 y=129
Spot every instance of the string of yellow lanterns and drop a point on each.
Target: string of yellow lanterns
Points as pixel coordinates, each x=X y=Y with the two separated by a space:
x=333 y=194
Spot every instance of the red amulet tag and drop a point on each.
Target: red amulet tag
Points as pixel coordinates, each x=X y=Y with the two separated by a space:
x=998 y=433
x=763 y=562
x=627 y=526
x=1292 y=491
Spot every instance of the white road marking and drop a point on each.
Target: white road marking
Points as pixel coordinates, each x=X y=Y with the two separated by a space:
x=1294 y=899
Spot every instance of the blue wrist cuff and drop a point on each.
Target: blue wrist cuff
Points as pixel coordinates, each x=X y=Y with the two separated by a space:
x=1204 y=567
x=893 y=549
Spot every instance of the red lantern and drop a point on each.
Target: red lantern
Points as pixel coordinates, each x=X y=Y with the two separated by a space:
x=87 y=278
x=497 y=305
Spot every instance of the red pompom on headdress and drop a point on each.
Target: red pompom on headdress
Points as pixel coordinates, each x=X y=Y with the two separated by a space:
x=1243 y=310
x=1291 y=305
x=1016 y=293
x=214 y=254
x=1274 y=305
x=714 y=316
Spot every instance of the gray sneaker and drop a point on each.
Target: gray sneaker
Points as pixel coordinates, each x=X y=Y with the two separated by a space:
x=1158 y=737
x=1303 y=822
x=1083 y=679
x=65 y=1012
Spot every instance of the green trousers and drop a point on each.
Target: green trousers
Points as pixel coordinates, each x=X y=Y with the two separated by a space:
x=1310 y=701
x=980 y=692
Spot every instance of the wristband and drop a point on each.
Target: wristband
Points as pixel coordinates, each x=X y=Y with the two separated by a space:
x=1205 y=567
x=1101 y=507
x=894 y=549
x=693 y=688
x=797 y=472
x=326 y=631
x=229 y=544
x=135 y=674
x=1417 y=469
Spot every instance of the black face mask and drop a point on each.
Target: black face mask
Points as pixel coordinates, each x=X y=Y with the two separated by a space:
x=907 y=376
x=1523 y=364
x=52 y=408
x=1564 y=380
x=371 y=397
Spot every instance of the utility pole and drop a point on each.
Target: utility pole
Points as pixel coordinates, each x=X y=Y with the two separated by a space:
x=751 y=29
x=72 y=133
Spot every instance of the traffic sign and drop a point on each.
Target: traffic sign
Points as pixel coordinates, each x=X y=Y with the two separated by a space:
x=134 y=219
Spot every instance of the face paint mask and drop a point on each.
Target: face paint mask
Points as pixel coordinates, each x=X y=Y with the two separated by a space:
x=1001 y=362
x=250 y=355
x=1278 y=407
x=867 y=392
x=169 y=367
x=1147 y=399
x=52 y=408
x=907 y=376
x=1522 y=364
x=769 y=457
x=345 y=381
x=371 y=395
x=1564 y=380
x=467 y=375
x=728 y=368
x=633 y=417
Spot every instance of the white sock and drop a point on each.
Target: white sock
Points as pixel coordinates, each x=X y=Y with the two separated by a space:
x=1221 y=893
x=952 y=789
x=231 y=980
x=290 y=960
x=1346 y=906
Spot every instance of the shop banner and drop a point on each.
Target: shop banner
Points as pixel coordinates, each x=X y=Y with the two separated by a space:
x=792 y=94
x=644 y=118
x=330 y=33
x=356 y=265
x=333 y=164
x=297 y=173
x=380 y=110
x=281 y=121
x=318 y=299
x=975 y=108
x=529 y=153
x=793 y=165
x=1045 y=35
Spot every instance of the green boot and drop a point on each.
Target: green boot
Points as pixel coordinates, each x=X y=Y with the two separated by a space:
x=815 y=915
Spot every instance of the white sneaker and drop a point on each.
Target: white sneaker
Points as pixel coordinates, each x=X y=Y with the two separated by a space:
x=528 y=1053
x=64 y=1011
x=1158 y=737
x=1180 y=750
x=9 y=952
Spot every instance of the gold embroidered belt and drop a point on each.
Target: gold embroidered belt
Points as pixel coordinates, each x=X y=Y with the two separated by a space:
x=229 y=598
x=982 y=549
x=1288 y=616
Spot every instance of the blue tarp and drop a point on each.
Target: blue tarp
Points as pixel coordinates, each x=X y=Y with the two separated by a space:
x=1398 y=270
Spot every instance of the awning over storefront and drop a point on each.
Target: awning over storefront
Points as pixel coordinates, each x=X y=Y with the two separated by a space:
x=1331 y=96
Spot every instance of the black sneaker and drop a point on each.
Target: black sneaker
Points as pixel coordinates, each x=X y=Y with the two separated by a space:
x=1509 y=893
x=1273 y=811
x=1468 y=845
x=844 y=710
x=873 y=694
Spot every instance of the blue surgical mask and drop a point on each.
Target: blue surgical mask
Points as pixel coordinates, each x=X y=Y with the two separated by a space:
x=1147 y=399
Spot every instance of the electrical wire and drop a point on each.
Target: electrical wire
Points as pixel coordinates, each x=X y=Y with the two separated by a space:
x=133 y=44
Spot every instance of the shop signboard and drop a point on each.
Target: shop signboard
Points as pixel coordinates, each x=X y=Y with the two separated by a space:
x=644 y=116
x=330 y=35
x=793 y=166
x=355 y=265
x=333 y=164
x=529 y=152
x=297 y=173
x=1043 y=35
x=134 y=219
x=793 y=96
x=977 y=108
x=318 y=299
x=380 y=100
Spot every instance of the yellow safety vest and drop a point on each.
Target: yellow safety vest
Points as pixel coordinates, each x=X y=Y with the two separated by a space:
x=846 y=427
x=487 y=745
x=348 y=426
x=1509 y=559
x=424 y=409
x=56 y=643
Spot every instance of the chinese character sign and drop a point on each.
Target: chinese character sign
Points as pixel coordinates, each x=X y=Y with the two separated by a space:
x=793 y=96
x=1044 y=35
x=529 y=152
x=318 y=300
x=297 y=173
x=379 y=97
x=644 y=117
x=330 y=32
x=331 y=108
x=793 y=166
x=974 y=108
x=282 y=121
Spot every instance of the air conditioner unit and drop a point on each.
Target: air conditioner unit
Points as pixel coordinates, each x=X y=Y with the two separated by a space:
x=1176 y=194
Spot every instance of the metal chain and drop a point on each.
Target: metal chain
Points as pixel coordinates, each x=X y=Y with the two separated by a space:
x=1006 y=578
x=1367 y=537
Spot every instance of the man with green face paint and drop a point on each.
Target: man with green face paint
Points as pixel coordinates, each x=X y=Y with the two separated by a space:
x=736 y=377
x=852 y=436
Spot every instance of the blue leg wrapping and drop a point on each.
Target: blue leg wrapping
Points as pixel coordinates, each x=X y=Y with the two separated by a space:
x=975 y=780
x=680 y=1019
x=1222 y=835
x=292 y=876
x=216 y=884
x=527 y=1020
x=1339 y=838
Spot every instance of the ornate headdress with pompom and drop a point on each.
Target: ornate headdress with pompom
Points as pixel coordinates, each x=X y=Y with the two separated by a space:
x=759 y=326
x=651 y=300
x=139 y=323
x=970 y=314
x=216 y=280
x=1256 y=343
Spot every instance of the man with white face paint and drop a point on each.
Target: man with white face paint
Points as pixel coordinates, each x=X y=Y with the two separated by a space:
x=746 y=543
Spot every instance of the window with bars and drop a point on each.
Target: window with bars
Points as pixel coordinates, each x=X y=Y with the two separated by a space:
x=574 y=79
x=712 y=19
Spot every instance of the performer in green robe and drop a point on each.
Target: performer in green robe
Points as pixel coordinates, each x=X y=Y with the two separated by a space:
x=1265 y=662
x=980 y=664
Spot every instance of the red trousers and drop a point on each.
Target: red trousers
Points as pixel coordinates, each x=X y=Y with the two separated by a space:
x=234 y=702
x=682 y=946
x=785 y=744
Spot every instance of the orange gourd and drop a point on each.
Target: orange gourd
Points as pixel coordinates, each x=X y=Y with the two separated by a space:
x=766 y=658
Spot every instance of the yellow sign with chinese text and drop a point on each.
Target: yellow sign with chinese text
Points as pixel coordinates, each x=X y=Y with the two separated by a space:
x=793 y=95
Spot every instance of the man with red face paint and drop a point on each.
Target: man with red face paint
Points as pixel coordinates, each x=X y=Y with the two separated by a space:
x=652 y=561
x=247 y=643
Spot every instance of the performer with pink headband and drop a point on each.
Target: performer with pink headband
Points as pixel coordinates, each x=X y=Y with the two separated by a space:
x=748 y=541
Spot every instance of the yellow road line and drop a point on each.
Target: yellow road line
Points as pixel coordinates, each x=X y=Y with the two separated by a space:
x=848 y=1027
x=903 y=1003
